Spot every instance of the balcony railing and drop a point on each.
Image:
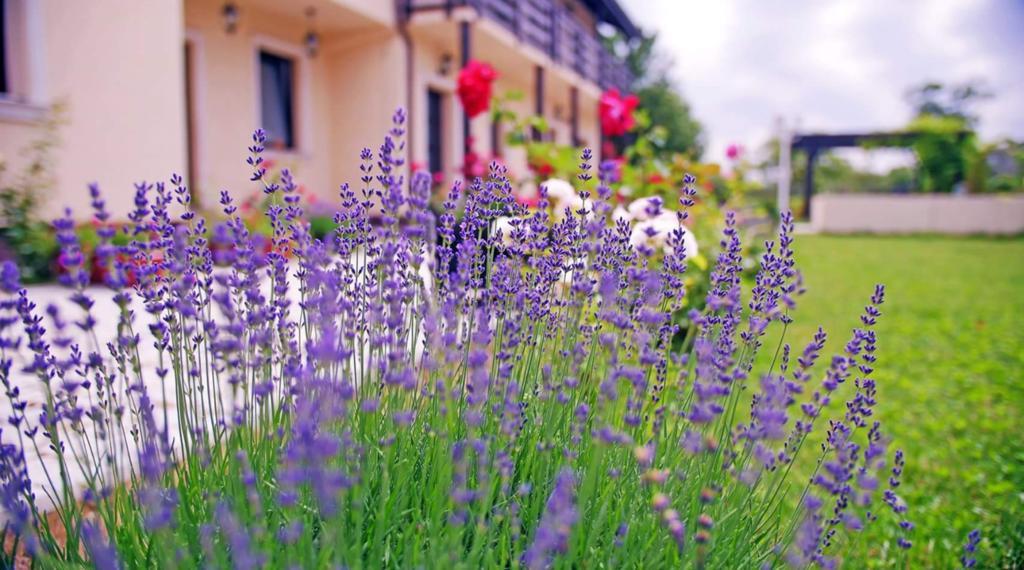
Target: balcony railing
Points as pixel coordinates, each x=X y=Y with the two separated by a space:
x=548 y=26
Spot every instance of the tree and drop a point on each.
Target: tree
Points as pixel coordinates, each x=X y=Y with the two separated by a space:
x=934 y=99
x=945 y=121
x=667 y=109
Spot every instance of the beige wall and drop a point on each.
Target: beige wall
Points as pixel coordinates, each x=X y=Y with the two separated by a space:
x=367 y=85
x=227 y=100
x=116 y=67
x=345 y=95
x=429 y=47
x=382 y=12
x=917 y=213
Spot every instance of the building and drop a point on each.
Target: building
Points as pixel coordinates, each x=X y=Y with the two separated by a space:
x=150 y=88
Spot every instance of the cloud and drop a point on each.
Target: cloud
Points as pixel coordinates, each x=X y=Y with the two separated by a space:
x=837 y=65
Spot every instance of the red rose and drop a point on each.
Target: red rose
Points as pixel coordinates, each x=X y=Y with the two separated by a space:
x=616 y=112
x=474 y=87
x=542 y=168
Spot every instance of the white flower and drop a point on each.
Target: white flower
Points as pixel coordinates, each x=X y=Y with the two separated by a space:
x=503 y=224
x=655 y=232
x=560 y=192
x=646 y=208
x=562 y=195
x=425 y=273
x=620 y=213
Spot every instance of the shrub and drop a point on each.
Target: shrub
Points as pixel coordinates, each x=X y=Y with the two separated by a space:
x=344 y=402
x=24 y=236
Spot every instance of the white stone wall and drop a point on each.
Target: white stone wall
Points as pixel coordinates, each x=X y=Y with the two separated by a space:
x=995 y=214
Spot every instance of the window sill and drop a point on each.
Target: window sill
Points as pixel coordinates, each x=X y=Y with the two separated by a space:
x=12 y=111
x=287 y=153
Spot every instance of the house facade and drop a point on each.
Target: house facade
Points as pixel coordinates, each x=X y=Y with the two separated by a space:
x=150 y=88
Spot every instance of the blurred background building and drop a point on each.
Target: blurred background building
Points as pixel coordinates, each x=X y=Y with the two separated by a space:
x=143 y=88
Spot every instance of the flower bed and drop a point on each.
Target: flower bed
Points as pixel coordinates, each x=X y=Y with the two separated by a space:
x=532 y=407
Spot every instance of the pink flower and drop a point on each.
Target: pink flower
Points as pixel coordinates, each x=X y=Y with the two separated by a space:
x=733 y=151
x=473 y=166
x=528 y=201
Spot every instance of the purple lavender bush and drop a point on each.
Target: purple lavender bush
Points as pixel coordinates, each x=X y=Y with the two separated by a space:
x=391 y=396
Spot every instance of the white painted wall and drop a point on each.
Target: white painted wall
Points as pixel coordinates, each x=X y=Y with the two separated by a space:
x=996 y=214
x=116 y=66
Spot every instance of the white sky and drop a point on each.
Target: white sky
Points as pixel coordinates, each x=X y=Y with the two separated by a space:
x=835 y=65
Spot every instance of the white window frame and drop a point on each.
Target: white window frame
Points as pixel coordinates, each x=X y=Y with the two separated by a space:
x=26 y=60
x=301 y=114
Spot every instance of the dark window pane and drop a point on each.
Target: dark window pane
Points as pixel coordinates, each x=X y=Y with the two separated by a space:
x=435 y=131
x=3 y=47
x=278 y=102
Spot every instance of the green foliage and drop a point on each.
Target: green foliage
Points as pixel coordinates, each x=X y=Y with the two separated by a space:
x=1008 y=173
x=321 y=226
x=671 y=120
x=948 y=145
x=950 y=370
x=939 y=100
x=836 y=174
x=945 y=146
x=29 y=239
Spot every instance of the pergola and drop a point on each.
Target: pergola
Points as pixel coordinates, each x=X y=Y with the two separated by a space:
x=814 y=144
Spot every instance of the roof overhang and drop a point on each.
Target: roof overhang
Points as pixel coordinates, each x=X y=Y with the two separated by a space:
x=611 y=12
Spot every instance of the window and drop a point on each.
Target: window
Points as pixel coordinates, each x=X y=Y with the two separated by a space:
x=277 y=100
x=22 y=97
x=4 y=35
x=435 y=131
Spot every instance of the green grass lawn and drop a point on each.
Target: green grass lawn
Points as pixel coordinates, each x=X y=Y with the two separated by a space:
x=951 y=380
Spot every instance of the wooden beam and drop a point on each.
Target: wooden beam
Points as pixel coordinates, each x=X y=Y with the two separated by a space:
x=810 y=142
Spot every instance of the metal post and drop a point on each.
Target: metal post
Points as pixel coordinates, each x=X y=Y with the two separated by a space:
x=812 y=159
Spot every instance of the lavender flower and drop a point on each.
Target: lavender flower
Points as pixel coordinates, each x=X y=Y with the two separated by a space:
x=555 y=527
x=400 y=386
x=973 y=538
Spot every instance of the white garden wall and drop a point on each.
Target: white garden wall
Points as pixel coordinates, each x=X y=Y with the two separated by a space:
x=918 y=213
